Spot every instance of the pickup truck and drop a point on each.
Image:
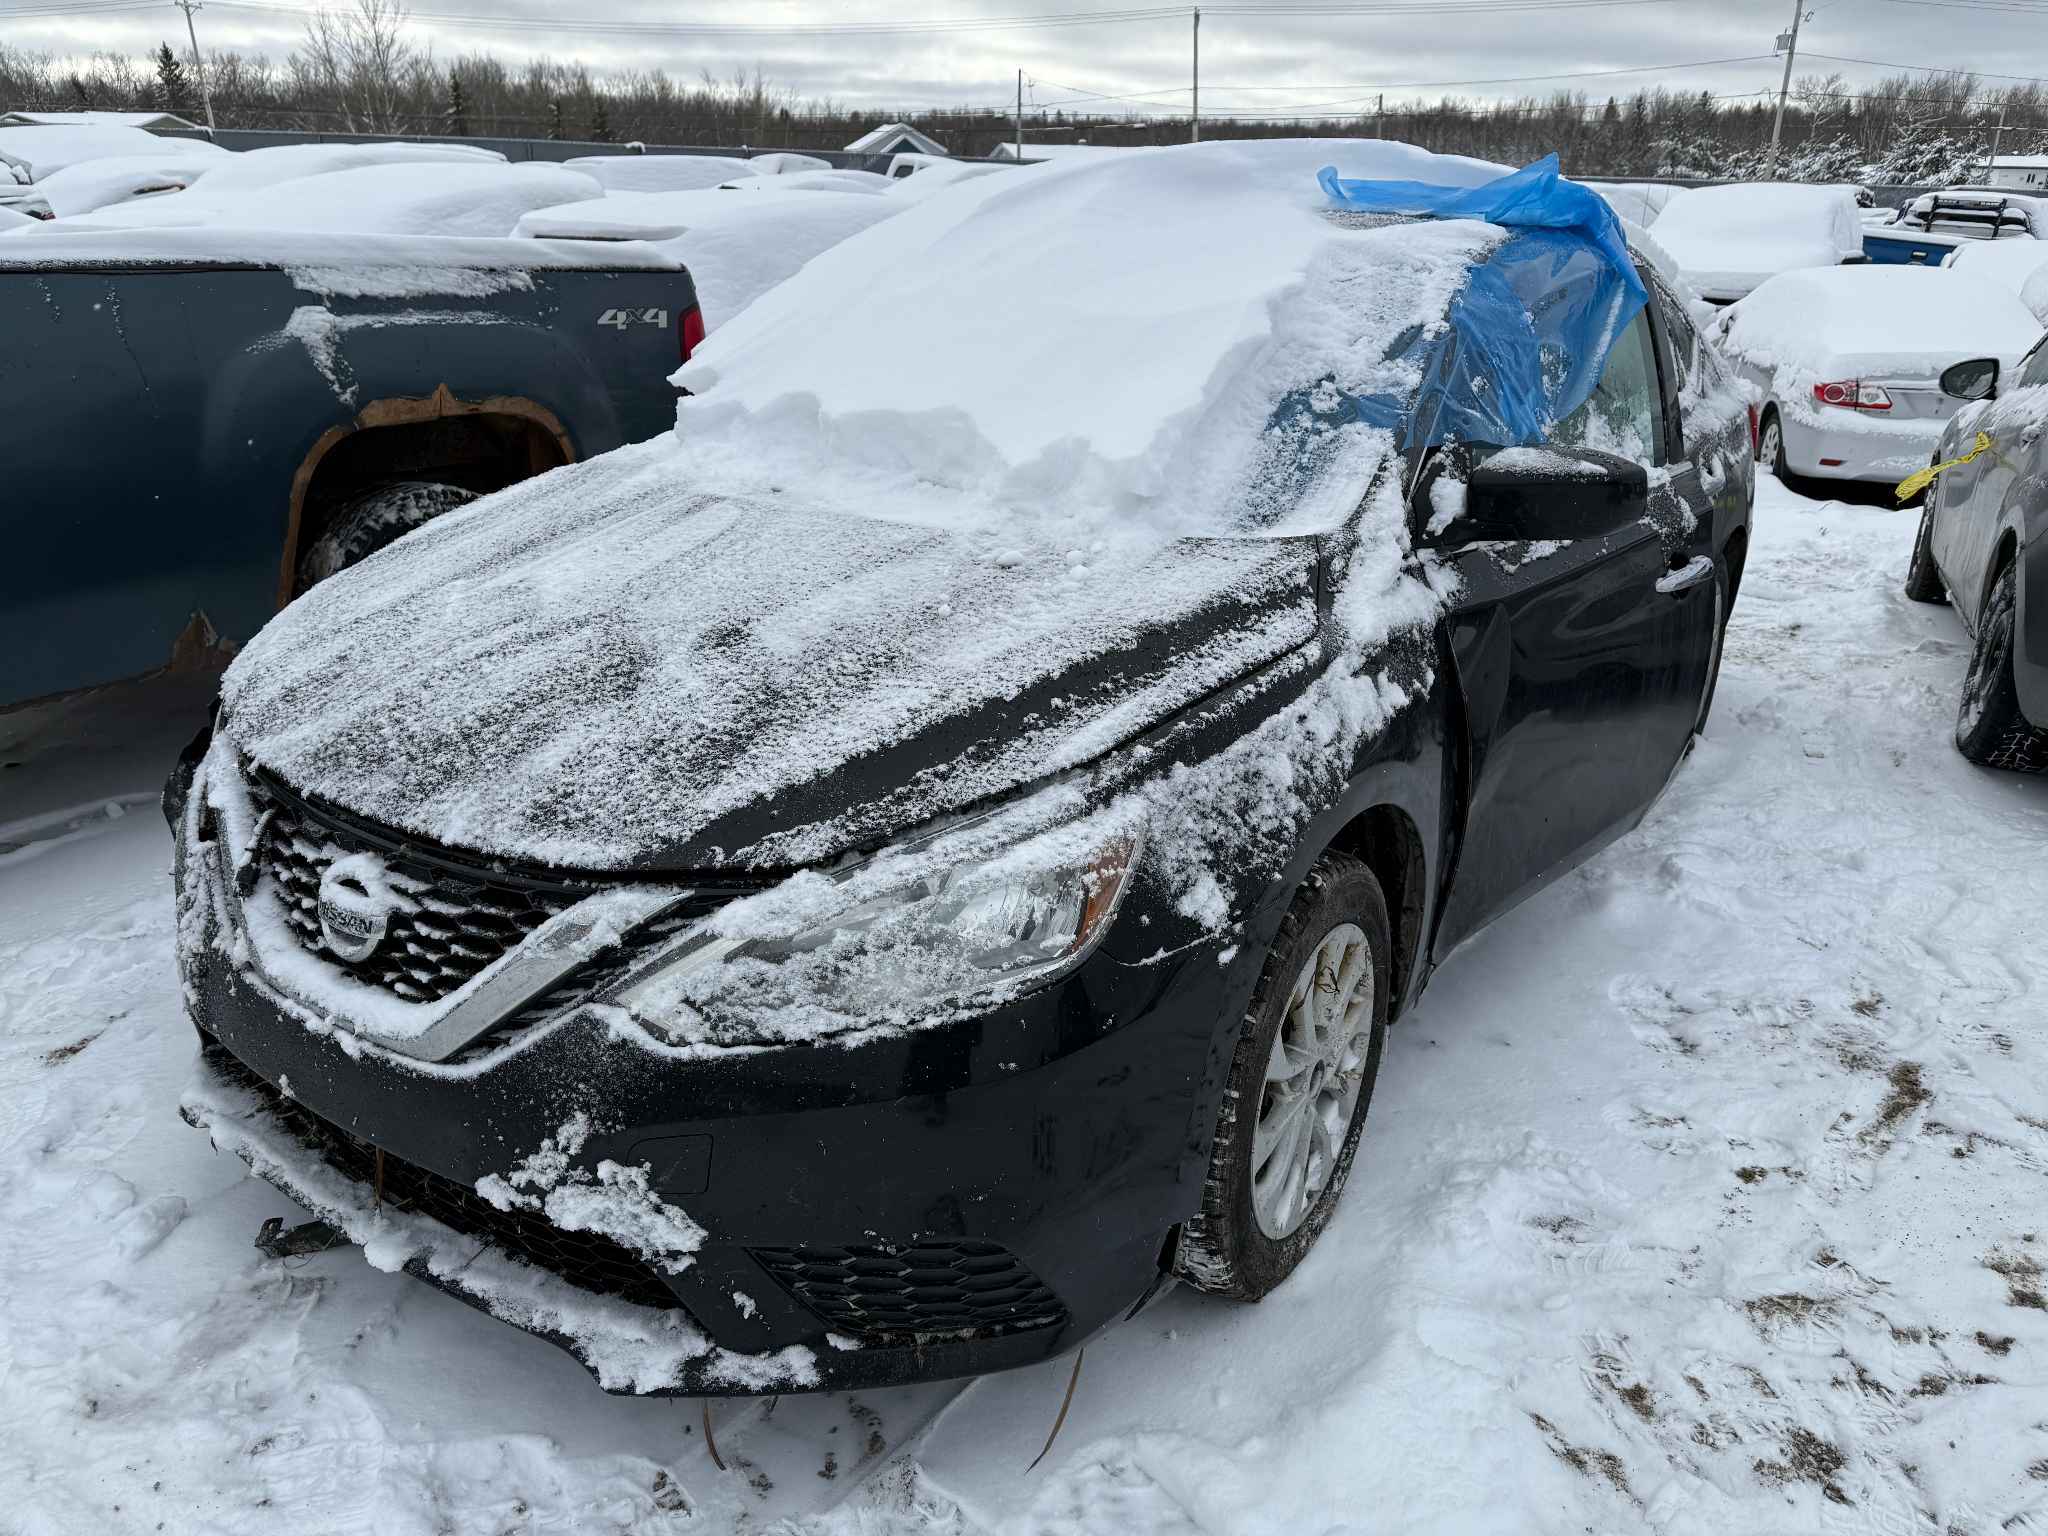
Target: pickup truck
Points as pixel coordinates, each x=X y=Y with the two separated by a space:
x=1929 y=229
x=197 y=424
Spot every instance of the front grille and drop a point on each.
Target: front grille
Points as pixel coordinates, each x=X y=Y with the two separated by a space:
x=584 y=1259
x=466 y=918
x=943 y=1289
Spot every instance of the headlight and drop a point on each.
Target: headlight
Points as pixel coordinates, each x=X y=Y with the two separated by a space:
x=902 y=937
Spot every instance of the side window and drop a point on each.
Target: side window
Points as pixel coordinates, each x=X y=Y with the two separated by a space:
x=2035 y=369
x=1625 y=414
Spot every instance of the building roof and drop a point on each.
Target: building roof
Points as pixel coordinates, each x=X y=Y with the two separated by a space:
x=895 y=136
x=2031 y=162
x=151 y=120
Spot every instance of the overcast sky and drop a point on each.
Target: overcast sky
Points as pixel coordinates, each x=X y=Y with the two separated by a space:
x=1319 y=62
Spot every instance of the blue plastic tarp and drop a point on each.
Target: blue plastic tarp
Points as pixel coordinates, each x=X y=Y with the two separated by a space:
x=1527 y=336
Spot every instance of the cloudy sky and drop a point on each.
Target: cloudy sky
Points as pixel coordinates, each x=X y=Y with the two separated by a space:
x=1257 y=58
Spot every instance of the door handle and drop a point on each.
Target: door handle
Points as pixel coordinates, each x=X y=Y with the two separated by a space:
x=1687 y=576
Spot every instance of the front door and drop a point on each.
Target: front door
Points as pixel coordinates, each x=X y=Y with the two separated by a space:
x=1582 y=664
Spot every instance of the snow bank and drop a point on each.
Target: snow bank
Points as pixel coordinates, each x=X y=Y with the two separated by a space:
x=1118 y=331
x=453 y=199
x=1729 y=239
x=661 y=173
x=45 y=150
x=1875 y=322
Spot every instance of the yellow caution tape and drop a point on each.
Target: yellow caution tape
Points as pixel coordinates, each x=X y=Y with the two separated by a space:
x=1920 y=479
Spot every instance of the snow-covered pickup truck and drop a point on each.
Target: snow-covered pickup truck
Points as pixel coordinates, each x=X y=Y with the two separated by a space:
x=197 y=424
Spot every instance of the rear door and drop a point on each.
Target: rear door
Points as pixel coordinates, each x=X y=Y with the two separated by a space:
x=1974 y=517
x=1581 y=665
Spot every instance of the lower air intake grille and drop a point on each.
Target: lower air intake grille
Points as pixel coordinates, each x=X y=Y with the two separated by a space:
x=584 y=1259
x=948 y=1289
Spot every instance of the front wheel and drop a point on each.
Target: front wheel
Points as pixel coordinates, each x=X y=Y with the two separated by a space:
x=1989 y=727
x=1923 y=580
x=1299 y=1085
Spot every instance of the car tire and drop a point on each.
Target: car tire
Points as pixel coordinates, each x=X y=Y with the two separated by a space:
x=1770 y=444
x=361 y=527
x=1990 y=730
x=1274 y=1177
x=1923 y=579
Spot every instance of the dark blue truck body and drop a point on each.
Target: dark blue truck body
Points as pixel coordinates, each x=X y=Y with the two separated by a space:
x=174 y=425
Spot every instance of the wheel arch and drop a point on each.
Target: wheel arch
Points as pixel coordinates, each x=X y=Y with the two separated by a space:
x=514 y=438
x=1385 y=838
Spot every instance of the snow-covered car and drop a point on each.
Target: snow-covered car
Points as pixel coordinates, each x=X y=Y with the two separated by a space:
x=736 y=248
x=1983 y=544
x=2012 y=264
x=1859 y=370
x=1639 y=202
x=483 y=199
x=1729 y=239
x=867 y=183
x=661 y=173
x=876 y=885
x=24 y=204
x=1933 y=225
x=12 y=218
x=98 y=183
x=49 y=148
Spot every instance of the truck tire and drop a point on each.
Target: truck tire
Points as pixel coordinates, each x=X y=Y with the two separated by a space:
x=361 y=527
x=1923 y=580
x=1311 y=1042
x=1990 y=730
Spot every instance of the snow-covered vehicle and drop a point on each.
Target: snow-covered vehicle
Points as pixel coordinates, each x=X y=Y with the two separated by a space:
x=1983 y=544
x=1930 y=228
x=92 y=184
x=736 y=248
x=1729 y=239
x=661 y=173
x=875 y=886
x=1858 y=371
x=198 y=422
x=2018 y=265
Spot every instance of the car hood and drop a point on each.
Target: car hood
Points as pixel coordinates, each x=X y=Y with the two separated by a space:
x=603 y=669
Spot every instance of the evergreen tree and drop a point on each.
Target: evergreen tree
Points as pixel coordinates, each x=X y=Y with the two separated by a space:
x=555 y=128
x=171 y=91
x=457 y=113
x=81 y=94
x=601 y=123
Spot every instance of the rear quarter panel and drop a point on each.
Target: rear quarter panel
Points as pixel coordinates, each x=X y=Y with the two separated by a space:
x=153 y=420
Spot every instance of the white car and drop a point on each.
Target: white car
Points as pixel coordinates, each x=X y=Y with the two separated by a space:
x=1729 y=239
x=1859 y=369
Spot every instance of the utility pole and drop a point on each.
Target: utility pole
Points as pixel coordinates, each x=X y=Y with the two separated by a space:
x=198 y=64
x=1195 y=121
x=1020 y=115
x=1997 y=133
x=1789 y=41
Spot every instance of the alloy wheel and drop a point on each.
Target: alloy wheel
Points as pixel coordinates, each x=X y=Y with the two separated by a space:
x=1312 y=1081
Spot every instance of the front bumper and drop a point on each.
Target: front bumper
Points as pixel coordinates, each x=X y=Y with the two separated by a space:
x=932 y=1204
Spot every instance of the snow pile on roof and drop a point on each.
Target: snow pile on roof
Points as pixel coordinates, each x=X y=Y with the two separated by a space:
x=2006 y=263
x=455 y=199
x=736 y=248
x=1639 y=202
x=251 y=168
x=661 y=173
x=1007 y=150
x=1875 y=322
x=96 y=183
x=1729 y=239
x=1115 y=334
x=48 y=150
x=93 y=119
x=900 y=137
x=936 y=175
x=785 y=163
x=867 y=182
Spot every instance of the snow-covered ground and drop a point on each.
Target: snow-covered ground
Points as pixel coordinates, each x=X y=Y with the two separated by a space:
x=1704 y=1193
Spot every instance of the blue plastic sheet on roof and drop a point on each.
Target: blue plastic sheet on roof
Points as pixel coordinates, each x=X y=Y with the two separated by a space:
x=1526 y=338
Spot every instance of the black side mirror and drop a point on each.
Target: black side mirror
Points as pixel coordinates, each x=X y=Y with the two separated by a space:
x=1975 y=380
x=1548 y=493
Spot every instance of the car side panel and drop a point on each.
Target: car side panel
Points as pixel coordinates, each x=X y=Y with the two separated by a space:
x=155 y=418
x=2027 y=514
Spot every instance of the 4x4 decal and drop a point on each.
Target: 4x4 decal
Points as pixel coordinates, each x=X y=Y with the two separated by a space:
x=619 y=319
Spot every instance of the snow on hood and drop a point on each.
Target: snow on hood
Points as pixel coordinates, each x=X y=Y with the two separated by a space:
x=1729 y=239
x=930 y=532
x=611 y=666
x=1116 y=332
x=1878 y=322
x=461 y=198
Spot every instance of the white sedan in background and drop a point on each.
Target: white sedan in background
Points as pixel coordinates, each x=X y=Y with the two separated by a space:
x=1858 y=369
x=1727 y=240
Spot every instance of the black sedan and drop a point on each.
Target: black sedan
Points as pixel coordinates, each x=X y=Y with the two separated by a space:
x=763 y=944
x=1983 y=545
